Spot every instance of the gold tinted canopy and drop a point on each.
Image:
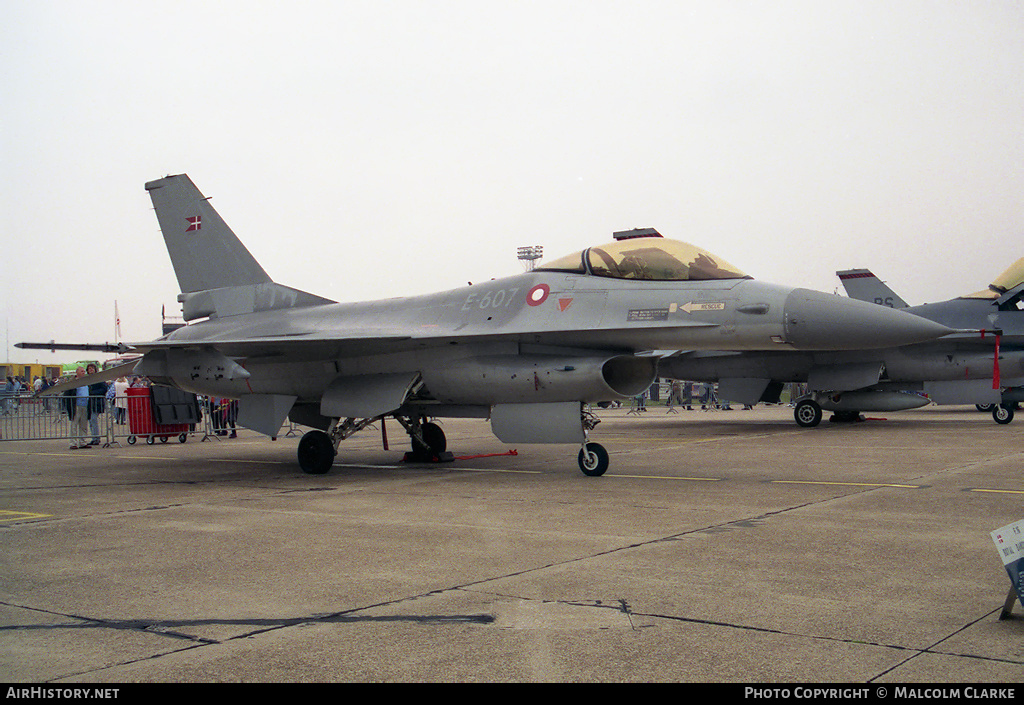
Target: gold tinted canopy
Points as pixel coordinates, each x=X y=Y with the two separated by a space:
x=651 y=259
x=1013 y=276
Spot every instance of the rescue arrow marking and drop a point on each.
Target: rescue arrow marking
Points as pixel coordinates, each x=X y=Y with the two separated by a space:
x=690 y=306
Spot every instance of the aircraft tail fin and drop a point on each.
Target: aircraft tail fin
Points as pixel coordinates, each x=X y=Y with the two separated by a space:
x=217 y=275
x=862 y=285
x=205 y=253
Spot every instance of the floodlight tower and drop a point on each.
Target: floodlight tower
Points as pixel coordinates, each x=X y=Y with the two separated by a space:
x=530 y=254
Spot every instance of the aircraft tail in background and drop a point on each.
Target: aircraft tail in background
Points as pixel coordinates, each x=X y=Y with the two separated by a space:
x=862 y=285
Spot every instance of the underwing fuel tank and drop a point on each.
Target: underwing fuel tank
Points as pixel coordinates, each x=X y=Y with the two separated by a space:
x=912 y=365
x=870 y=401
x=524 y=379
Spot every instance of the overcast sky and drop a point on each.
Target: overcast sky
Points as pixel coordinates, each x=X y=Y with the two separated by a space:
x=363 y=150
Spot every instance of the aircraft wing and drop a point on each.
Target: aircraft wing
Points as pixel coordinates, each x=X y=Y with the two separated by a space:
x=322 y=343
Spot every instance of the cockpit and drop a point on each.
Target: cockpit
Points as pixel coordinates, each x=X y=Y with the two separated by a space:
x=647 y=257
x=1012 y=278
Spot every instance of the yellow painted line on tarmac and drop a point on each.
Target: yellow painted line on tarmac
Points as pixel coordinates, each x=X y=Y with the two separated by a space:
x=254 y=462
x=519 y=472
x=976 y=489
x=665 y=477
x=627 y=438
x=69 y=454
x=845 y=484
x=7 y=515
x=145 y=457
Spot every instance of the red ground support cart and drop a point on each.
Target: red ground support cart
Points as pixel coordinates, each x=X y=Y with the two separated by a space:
x=142 y=421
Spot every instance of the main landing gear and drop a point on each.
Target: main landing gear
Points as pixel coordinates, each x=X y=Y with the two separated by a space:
x=316 y=453
x=429 y=444
x=317 y=449
x=807 y=413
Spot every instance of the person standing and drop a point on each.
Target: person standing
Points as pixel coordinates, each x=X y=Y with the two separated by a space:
x=688 y=395
x=121 y=399
x=77 y=400
x=97 y=404
x=8 y=398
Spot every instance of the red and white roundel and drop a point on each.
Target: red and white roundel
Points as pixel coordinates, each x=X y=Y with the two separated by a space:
x=538 y=294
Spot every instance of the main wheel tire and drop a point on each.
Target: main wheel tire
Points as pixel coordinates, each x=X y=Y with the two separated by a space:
x=434 y=438
x=316 y=453
x=984 y=407
x=1003 y=413
x=593 y=460
x=807 y=413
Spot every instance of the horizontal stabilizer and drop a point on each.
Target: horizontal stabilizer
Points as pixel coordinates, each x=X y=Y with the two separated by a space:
x=104 y=376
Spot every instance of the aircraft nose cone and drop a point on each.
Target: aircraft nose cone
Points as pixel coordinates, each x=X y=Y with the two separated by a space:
x=818 y=321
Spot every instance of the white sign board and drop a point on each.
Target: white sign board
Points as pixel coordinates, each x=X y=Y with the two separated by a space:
x=1010 y=542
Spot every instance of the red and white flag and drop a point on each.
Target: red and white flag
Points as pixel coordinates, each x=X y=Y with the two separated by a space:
x=194 y=223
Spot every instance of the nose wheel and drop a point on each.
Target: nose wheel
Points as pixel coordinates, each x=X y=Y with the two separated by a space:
x=593 y=459
x=1003 y=413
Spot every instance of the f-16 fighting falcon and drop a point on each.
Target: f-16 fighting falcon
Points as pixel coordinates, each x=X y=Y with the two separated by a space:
x=529 y=352
x=982 y=364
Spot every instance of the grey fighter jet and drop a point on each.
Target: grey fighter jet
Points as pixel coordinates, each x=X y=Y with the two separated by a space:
x=982 y=367
x=527 y=351
x=987 y=373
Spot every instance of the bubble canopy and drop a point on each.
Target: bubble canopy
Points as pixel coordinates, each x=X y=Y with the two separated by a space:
x=651 y=259
x=1009 y=279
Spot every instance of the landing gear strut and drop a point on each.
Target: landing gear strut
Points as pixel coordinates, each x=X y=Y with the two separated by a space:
x=1003 y=413
x=429 y=444
x=593 y=458
x=318 y=448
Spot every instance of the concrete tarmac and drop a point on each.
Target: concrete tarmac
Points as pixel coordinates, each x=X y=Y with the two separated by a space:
x=720 y=546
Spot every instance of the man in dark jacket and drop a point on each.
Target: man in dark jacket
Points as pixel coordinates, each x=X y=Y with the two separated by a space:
x=97 y=404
